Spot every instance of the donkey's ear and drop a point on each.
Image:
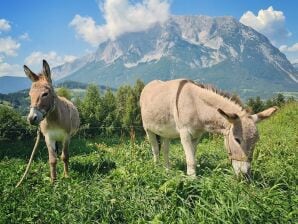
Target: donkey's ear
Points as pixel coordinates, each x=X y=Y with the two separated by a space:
x=264 y=114
x=231 y=117
x=32 y=76
x=46 y=70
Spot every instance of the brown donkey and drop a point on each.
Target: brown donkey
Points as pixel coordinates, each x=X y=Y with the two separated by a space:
x=57 y=116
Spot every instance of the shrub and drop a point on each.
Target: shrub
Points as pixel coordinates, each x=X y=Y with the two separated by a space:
x=12 y=125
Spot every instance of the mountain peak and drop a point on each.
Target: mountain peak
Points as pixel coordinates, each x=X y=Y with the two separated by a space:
x=219 y=50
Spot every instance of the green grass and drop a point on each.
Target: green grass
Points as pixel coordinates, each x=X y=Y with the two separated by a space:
x=113 y=181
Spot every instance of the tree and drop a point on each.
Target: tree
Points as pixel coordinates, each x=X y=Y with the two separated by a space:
x=121 y=107
x=64 y=92
x=279 y=100
x=256 y=104
x=89 y=110
x=108 y=112
x=129 y=106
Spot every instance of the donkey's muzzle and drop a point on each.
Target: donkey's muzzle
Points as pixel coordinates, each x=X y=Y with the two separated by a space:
x=35 y=116
x=242 y=168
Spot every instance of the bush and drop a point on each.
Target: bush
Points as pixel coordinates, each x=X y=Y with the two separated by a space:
x=64 y=92
x=13 y=126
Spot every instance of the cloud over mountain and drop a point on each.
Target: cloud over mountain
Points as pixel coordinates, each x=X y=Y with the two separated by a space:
x=269 y=22
x=121 y=17
x=285 y=48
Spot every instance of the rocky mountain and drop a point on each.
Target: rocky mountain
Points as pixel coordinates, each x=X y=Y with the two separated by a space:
x=295 y=65
x=217 y=50
x=63 y=70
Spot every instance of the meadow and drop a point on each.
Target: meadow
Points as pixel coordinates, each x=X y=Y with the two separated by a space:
x=113 y=180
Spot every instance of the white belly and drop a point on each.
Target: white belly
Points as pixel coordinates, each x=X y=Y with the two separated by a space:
x=56 y=134
x=166 y=131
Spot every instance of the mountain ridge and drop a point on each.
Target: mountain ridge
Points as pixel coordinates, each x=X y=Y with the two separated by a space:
x=217 y=50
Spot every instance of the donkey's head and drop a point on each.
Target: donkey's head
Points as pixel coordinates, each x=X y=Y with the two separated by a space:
x=41 y=93
x=241 y=138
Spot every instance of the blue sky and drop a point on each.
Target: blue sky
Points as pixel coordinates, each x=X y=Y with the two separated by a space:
x=61 y=30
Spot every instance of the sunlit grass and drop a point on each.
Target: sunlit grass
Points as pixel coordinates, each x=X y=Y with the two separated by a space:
x=117 y=182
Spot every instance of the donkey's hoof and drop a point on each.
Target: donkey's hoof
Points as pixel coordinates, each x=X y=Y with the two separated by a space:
x=66 y=176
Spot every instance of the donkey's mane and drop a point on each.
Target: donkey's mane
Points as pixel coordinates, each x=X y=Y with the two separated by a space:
x=232 y=97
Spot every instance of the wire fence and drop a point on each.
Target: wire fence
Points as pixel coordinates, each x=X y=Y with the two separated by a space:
x=84 y=132
x=93 y=127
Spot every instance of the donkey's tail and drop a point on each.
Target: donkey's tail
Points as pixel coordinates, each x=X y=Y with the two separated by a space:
x=31 y=158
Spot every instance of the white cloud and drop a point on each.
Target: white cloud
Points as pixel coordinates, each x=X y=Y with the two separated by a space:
x=9 y=46
x=121 y=17
x=4 y=25
x=9 y=69
x=36 y=57
x=24 y=36
x=69 y=58
x=291 y=52
x=269 y=22
x=88 y=30
x=285 y=48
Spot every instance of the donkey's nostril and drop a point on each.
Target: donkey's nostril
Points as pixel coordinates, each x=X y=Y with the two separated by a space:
x=34 y=117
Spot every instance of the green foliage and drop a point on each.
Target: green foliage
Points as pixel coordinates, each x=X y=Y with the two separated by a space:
x=89 y=110
x=19 y=101
x=108 y=113
x=114 y=181
x=12 y=125
x=111 y=113
x=64 y=92
x=257 y=105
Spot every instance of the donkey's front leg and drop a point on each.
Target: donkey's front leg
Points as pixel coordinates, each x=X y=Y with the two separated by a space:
x=154 y=145
x=65 y=155
x=51 y=144
x=189 y=150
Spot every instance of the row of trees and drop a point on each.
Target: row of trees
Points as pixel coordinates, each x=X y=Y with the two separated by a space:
x=257 y=105
x=106 y=113
x=111 y=112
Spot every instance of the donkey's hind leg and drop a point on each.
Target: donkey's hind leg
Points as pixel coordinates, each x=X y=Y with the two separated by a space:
x=65 y=155
x=154 y=144
x=51 y=145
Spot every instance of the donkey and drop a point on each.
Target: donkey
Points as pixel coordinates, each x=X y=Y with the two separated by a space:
x=58 y=117
x=185 y=109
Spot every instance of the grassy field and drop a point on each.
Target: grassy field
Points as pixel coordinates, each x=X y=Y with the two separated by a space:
x=113 y=181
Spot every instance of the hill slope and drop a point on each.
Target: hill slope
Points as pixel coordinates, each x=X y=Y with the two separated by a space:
x=10 y=84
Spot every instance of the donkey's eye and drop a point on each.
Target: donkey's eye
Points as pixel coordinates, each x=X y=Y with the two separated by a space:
x=238 y=141
x=45 y=94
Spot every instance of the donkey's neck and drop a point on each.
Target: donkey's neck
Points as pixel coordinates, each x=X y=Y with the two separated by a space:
x=216 y=124
x=54 y=114
x=213 y=120
x=216 y=101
